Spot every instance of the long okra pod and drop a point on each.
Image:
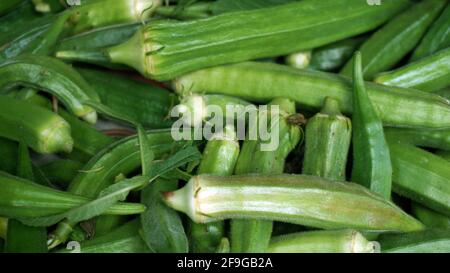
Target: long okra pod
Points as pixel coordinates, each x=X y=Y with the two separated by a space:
x=219 y=158
x=341 y=241
x=430 y=218
x=428 y=241
x=261 y=82
x=327 y=143
x=298 y=199
x=53 y=76
x=166 y=49
x=253 y=235
x=429 y=74
x=41 y=129
x=437 y=37
x=438 y=139
x=396 y=39
x=371 y=159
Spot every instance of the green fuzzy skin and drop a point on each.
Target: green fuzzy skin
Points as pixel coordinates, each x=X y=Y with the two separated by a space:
x=147 y=104
x=430 y=218
x=165 y=49
x=261 y=82
x=298 y=199
x=327 y=143
x=41 y=129
x=372 y=166
x=428 y=74
x=428 y=241
x=437 y=37
x=108 y=12
x=421 y=176
x=384 y=49
x=53 y=76
x=334 y=56
x=20 y=198
x=253 y=235
x=438 y=139
x=340 y=241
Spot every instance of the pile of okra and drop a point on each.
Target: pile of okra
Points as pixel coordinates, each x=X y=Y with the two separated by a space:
x=116 y=134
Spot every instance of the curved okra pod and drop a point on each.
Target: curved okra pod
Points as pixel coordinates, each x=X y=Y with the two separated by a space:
x=262 y=82
x=430 y=218
x=41 y=129
x=384 y=49
x=340 y=241
x=428 y=241
x=371 y=159
x=297 y=199
x=327 y=143
x=219 y=158
x=53 y=76
x=429 y=74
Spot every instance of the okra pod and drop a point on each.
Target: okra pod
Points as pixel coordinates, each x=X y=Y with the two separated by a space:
x=62 y=171
x=372 y=166
x=430 y=218
x=6 y=6
x=340 y=241
x=444 y=154
x=384 y=49
x=3 y=227
x=41 y=129
x=53 y=76
x=428 y=241
x=261 y=82
x=217 y=40
x=421 y=176
x=8 y=150
x=428 y=138
x=297 y=199
x=429 y=74
x=327 y=143
x=437 y=37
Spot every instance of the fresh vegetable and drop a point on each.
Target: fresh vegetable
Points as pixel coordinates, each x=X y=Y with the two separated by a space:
x=6 y=6
x=298 y=199
x=8 y=150
x=327 y=143
x=61 y=171
x=430 y=218
x=429 y=74
x=428 y=241
x=444 y=154
x=261 y=82
x=3 y=227
x=372 y=166
x=342 y=241
x=438 y=139
x=299 y=60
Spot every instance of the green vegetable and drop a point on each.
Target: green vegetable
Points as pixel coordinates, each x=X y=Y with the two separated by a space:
x=61 y=171
x=372 y=166
x=156 y=54
x=438 y=139
x=6 y=6
x=41 y=129
x=444 y=154
x=3 y=227
x=430 y=218
x=219 y=158
x=146 y=104
x=53 y=76
x=341 y=241
x=428 y=241
x=437 y=37
x=421 y=176
x=298 y=199
x=327 y=143
x=261 y=82
x=384 y=49
x=46 y=6
x=195 y=11
x=429 y=74
x=299 y=60
x=253 y=235
x=13 y=21
x=8 y=150
x=224 y=246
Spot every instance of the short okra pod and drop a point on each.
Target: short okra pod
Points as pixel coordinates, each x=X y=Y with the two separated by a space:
x=297 y=199
x=327 y=143
x=41 y=129
x=429 y=74
x=371 y=158
x=262 y=82
x=429 y=217
x=428 y=241
x=341 y=241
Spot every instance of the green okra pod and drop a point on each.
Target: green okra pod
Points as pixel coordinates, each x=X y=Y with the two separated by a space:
x=428 y=241
x=327 y=143
x=384 y=49
x=298 y=199
x=429 y=138
x=262 y=82
x=3 y=227
x=8 y=150
x=430 y=218
x=429 y=74
x=340 y=241
x=372 y=166
x=62 y=171
x=6 y=6
x=444 y=154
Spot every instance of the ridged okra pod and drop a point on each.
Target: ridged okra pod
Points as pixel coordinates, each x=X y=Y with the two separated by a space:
x=262 y=82
x=340 y=241
x=428 y=241
x=219 y=158
x=327 y=143
x=429 y=217
x=428 y=138
x=166 y=49
x=297 y=199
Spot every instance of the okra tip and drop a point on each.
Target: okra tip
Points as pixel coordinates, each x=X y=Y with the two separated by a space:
x=182 y=199
x=57 y=139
